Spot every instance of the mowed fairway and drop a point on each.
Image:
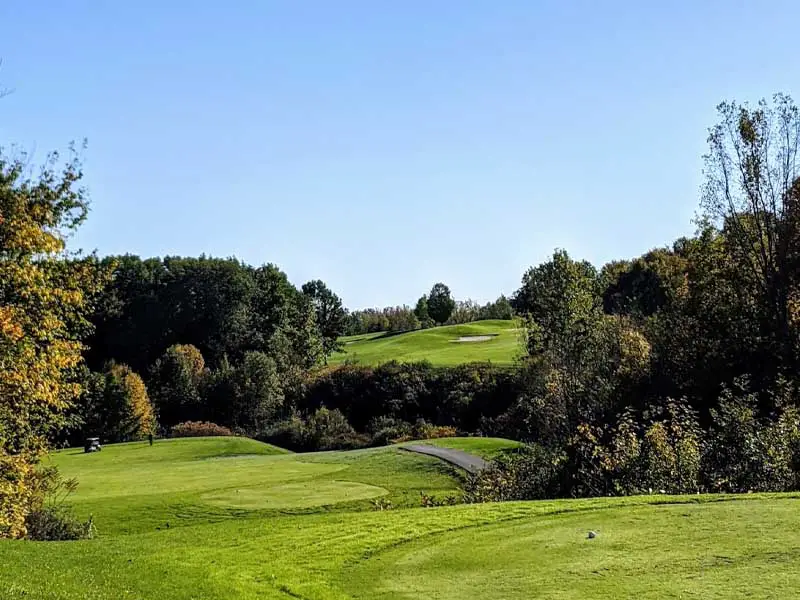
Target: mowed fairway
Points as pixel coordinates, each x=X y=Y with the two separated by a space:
x=439 y=345
x=249 y=521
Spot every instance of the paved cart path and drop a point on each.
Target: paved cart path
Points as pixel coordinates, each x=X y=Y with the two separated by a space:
x=465 y=460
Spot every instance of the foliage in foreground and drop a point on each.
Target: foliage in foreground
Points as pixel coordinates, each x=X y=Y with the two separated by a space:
x=44 y=301
x=662 y=451
x=51 y=518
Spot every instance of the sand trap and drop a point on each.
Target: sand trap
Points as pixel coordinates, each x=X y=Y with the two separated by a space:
x=474 y=338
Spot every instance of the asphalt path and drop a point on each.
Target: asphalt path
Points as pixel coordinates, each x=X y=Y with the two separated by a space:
x=465 y=460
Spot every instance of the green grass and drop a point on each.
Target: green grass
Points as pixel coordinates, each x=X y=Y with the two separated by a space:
x=484 y=447
x=438 y=345
x=299 y=532
x=130 y=488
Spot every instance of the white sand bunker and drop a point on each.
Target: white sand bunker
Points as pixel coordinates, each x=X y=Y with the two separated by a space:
x=474 y=338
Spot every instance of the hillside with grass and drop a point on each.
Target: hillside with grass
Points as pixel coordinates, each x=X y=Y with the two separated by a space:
x=493 y=341
x=235 y=519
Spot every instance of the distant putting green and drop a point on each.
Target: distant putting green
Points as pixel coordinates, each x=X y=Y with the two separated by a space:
x=482 y=341
x=233 y=519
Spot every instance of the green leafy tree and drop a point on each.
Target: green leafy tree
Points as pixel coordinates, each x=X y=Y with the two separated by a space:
x=465 y=311
x=421 y=310
x=258 y=398
x=330 y=314
x=440 y=303
x=752 y=194
x=175 y=382
x=559 y=298
x=499 y=309
x=646 y=285
x=401 y=318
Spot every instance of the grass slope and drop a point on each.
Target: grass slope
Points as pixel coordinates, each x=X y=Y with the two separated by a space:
x=310 y=547
x=484 y=447
x=437 y=345
x=130 y=488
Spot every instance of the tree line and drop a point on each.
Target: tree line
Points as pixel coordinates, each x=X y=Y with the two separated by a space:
x=676 y=370
x=438 y=307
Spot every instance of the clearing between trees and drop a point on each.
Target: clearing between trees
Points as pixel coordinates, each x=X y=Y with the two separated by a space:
x=495 y=341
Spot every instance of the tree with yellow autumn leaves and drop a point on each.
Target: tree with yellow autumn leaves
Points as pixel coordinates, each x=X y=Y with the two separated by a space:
x=44 y=301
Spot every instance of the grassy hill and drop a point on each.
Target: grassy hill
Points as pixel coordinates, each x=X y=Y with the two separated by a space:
x=233 y=519
x=439 y=345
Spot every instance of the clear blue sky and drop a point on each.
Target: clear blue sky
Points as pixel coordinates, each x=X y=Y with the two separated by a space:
x=384 y=146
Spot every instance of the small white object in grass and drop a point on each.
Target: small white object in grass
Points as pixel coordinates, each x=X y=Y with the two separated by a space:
x=592 y=535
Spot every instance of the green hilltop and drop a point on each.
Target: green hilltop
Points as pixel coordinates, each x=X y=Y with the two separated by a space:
x=496 y=341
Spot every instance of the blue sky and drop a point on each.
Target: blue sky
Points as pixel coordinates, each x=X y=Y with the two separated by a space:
x=384 y=146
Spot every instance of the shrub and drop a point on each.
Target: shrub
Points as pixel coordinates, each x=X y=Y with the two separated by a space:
x=427 y=431
x=661 y=453
x=428 y=501
x=50 y=519
x=388 y=430
x=17 y=493
x=290 y=433
x=382 y=504
x=458 y=396
x=747 y=453
x=199 y=429
x=323 y=430
x=532 y=473
x=329 y=430
x=57 y=523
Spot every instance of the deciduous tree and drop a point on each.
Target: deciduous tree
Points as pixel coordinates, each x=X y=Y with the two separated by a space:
x=44 y=300
x=440 y=303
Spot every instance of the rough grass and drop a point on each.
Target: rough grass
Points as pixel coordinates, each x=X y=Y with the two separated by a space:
x=437 y=345
x=648 y=547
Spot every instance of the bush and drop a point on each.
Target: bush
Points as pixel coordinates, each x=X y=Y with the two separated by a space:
x=199 y=429
x=289 y=433
x=329 y=430
x=17 y=492
x=427 y=431
x=662 y=452
x=323 y=430
x=532 y=473
x=458 y=396
x=57 y=523
x=50 y=519
x=387 y=430
x=747 y=453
